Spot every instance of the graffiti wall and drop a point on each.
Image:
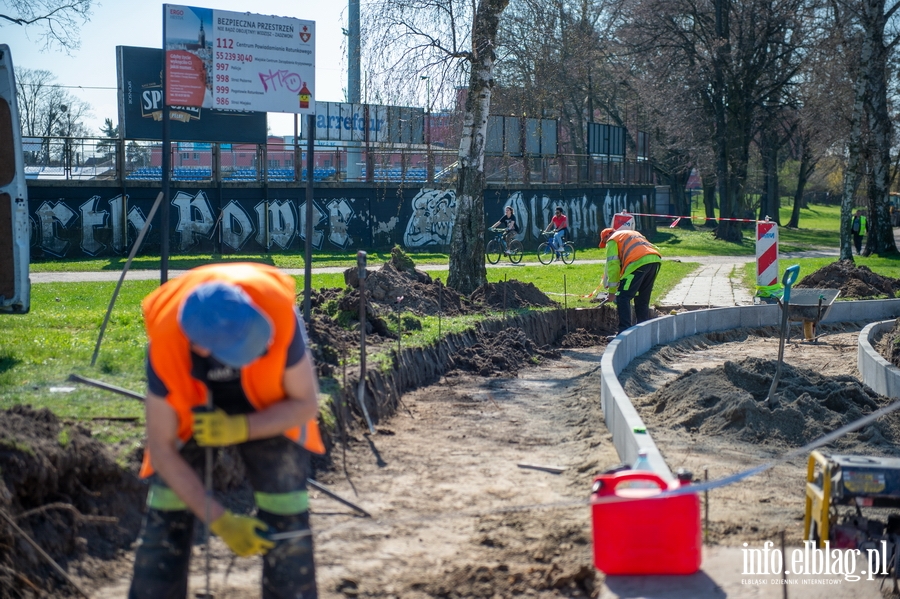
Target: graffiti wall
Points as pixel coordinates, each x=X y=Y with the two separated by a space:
x=84 y=221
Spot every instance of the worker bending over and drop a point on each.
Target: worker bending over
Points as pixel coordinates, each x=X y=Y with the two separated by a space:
x=632 y=264
x=229 y=334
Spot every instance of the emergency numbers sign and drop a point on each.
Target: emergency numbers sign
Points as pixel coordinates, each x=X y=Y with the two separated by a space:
x=239 y=61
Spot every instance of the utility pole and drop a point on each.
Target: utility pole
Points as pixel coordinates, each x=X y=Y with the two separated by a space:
x=429 y=162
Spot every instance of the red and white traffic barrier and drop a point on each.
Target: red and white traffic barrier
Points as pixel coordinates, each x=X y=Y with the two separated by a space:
x=766 y=253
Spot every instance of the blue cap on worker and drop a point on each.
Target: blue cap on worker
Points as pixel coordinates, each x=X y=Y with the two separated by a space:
x=223 y=319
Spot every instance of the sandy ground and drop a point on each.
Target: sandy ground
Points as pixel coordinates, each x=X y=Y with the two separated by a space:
x=455 y=515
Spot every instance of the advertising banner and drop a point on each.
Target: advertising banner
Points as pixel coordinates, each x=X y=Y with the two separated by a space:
x=140 y=106
x=338 y=121
x=239 y=61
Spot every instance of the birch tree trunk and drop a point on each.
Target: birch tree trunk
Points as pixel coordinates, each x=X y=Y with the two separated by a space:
x=880 y=235
x=467 y=270
x=851 y=170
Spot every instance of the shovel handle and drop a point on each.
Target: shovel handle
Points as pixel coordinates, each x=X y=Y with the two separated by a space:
x=790 y=277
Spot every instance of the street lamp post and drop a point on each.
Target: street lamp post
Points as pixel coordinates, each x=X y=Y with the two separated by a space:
x=429 y=163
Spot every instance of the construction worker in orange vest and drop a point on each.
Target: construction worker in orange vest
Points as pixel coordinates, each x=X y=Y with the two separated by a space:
x=228 y=365
x=632 y=264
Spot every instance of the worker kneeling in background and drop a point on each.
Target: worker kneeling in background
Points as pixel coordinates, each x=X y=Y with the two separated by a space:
x=632 y=264
x=229 y=333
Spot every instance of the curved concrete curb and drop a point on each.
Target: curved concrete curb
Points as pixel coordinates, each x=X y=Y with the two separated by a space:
x=622 y=420
x=876 y=372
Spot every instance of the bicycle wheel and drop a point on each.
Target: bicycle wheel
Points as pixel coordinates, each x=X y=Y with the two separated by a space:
x=545 y=254
x=568 y=255
x=515 y=251
x=493 y=251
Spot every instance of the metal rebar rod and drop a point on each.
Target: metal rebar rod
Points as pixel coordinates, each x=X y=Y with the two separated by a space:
x=361 y=387
x=42 y=553
x=134 y=249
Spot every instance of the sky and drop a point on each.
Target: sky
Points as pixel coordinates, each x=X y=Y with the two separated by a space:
x=139 y=23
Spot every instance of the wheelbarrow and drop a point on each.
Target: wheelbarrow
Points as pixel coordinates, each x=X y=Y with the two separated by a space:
x=811 y=306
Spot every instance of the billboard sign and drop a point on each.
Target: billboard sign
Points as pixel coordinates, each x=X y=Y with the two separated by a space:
x=505 y=136
x=140 y=106
x=606 y=139
x=339 y=121
x=239 y=61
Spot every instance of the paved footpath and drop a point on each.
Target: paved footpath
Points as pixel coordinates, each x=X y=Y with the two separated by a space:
x=717 y=282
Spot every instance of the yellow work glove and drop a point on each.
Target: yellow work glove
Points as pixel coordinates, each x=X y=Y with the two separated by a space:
x=217 y=428
x=239 y=533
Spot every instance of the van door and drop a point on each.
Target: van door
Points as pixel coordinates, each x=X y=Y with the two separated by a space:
x=15 y=291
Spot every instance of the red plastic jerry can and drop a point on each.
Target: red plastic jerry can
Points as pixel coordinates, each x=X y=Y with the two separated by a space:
x=645 y=534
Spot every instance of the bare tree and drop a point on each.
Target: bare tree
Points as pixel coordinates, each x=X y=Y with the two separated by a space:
x=558 y=69
x=47 y=110
x=724 y=58
x=453 y=41
x=57 y=21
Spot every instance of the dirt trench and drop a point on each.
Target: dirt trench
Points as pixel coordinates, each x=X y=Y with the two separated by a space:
x=703 y=400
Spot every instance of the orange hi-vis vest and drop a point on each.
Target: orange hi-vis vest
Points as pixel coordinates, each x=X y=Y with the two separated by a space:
x=632 y=247
x=263 y=379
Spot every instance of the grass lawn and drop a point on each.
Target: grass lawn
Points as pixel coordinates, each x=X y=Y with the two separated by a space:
x=818 y=228
x=40 y=349
x=887 y=267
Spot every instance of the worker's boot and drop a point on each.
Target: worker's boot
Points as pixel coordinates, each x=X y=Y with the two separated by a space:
x=289 y=571
x=162 y=559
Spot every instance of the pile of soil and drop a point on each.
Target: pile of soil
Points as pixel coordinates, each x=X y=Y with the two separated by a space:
x=417 y=291
x=66 y=492
x=511 y=295
x=853 y=281
x=583 y=338
x=501 y=355
x=730 y=400
x=327 y=340
x=889 y=345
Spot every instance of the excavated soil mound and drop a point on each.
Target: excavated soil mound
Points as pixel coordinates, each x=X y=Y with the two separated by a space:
x=55 y=481
x=730 y=400
x=889 y=345
x=500 y=354
x=327 y=340
x=853 y=281
x=398 y=278
x=566 y=576
x=583 y=338
x=511 y=295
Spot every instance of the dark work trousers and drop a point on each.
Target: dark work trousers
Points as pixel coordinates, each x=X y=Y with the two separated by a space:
x=857 y=241
x=274 y=466
x=637 y=286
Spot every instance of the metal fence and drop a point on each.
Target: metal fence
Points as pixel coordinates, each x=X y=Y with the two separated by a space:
x=58 y=158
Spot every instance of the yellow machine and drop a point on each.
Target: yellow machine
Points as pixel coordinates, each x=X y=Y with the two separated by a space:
x=853 y=481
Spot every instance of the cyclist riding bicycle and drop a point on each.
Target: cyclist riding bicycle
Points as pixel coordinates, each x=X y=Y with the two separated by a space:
x=508 y=222
x=560 y=225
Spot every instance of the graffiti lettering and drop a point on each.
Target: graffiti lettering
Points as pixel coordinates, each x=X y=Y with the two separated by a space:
x=282 y=223
x=90 y=219
x=290 y=81
x=318 y=237
x=188 y=226
x=48 y=217
x=339 y=215
x=237 y=227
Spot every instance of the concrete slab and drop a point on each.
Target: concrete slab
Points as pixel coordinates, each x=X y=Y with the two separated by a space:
x=722 y=576
x=709 y=286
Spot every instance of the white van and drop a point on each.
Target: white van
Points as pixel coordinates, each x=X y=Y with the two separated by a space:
x=15 y=290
